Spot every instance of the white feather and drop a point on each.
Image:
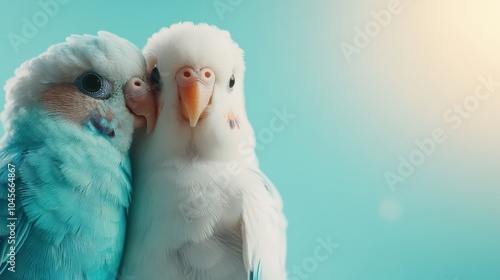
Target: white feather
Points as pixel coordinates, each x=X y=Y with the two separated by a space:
x=202 y=209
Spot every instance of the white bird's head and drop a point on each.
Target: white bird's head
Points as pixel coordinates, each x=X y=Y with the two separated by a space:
x=97 y=85
x=201 y=105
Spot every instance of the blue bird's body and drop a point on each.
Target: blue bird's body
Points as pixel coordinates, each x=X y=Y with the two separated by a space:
x=71 y=201
x=64 y=166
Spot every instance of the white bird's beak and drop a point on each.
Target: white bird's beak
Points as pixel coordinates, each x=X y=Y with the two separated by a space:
x=195 y=89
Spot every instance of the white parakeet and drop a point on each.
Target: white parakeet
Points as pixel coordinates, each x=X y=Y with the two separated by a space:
x=202 y=209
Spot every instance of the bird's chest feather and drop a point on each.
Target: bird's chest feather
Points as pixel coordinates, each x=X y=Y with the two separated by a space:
x=196 y=200
x=75 y=190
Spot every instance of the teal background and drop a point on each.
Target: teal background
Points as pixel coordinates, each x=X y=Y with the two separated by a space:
x=352 y=122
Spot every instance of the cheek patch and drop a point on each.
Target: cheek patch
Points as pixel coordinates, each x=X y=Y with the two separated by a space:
x=233 y=121
x=102 y=122
x=68 y=102
x=101 y=125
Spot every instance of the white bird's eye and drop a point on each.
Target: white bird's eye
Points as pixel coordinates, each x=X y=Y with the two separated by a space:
x=155 y=77
x=231 y=83
x=93 y=85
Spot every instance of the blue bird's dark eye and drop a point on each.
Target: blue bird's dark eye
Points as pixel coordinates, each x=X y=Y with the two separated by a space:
x=93 y=85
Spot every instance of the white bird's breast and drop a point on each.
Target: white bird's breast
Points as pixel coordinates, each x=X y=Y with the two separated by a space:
x=189 y=201
x=187 y=221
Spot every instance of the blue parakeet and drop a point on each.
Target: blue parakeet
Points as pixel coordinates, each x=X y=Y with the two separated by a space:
x=65 y=173
x=202 y=208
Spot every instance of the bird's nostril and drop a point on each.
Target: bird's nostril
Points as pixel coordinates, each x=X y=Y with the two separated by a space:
x=187 y=74
x=207 y=74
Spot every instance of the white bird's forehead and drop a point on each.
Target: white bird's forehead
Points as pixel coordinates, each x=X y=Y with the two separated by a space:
x=198 y=46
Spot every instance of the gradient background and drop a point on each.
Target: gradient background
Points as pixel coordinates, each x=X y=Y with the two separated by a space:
x=353 y=121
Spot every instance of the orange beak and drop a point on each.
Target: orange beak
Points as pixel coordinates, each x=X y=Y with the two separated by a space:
x=195 y=89
x=195 y=98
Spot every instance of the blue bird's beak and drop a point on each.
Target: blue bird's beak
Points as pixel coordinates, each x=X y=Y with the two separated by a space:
x=141 y=102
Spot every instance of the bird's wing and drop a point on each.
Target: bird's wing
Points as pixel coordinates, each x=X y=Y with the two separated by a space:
x=263 y=230
x=7 y=216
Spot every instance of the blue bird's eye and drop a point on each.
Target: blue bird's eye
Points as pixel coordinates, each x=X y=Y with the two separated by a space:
x=93 y=85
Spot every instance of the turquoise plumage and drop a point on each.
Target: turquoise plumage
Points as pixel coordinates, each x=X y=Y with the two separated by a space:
x=67 y=135
x=255 y=274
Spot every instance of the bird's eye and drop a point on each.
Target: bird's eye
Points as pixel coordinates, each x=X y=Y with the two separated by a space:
x=93 y=85
x=155 y=77
x=231 y=83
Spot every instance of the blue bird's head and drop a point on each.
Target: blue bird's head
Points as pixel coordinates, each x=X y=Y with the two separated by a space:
x=96 y=84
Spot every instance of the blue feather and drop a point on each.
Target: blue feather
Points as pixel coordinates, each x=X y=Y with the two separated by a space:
x=22 y=226
x=72 y=167
x=256 y=274
x=72 y=192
